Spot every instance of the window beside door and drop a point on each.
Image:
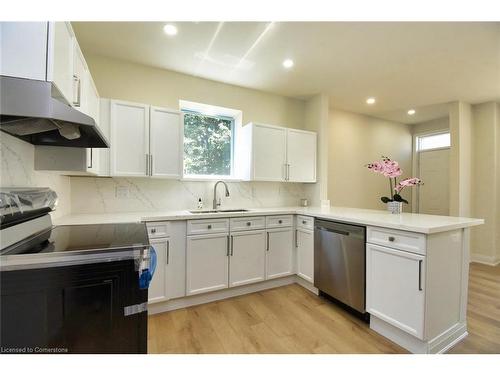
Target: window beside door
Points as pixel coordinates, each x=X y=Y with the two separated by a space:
x=433 y=141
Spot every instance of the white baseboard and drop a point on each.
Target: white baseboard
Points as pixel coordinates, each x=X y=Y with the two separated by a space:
x=485 y=259
x=180 y=303
x=437 y=345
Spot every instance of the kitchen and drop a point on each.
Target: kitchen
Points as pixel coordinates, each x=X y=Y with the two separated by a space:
x=231 y=194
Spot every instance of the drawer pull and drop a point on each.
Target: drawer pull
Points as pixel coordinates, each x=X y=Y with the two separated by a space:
x=209 y=226
x=248 y=224
x=420 y=275
x=153 y=230
x=280 y=221
x=304 y=222
x=392 y=239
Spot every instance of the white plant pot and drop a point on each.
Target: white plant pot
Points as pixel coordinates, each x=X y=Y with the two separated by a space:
x=395 y=207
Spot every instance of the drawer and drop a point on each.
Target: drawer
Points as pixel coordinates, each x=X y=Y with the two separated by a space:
x=247 y=223
x=206 y=226
x=397 y=239
x=279 y=221
x=157 y=229
x=305 y=222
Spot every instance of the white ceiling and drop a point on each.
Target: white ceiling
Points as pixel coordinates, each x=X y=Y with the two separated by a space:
x=419 y=65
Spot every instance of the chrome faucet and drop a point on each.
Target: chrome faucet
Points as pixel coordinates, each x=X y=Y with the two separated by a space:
x=217 y=203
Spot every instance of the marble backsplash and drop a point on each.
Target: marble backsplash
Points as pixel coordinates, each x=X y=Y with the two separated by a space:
x=104 y=195
x=18 y=171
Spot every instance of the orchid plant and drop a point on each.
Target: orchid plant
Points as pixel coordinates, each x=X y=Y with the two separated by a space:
x=391 y=169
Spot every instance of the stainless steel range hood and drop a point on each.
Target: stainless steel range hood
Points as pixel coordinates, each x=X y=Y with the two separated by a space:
x=30 y=110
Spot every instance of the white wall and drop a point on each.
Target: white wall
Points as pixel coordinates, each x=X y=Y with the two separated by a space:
x=18 y=171
x=356 y=140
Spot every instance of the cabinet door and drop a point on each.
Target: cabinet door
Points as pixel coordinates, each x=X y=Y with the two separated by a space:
x=166 y=143
x=24 y=49
x=207 y=263
x=395 y=287
x=279 y=254
x=301 y=156
x=269 y=153
x=247 y=261
x=158 y=288
x=61 y=55
x=305 y=254
x=176 y=260
x=80 y=79
x=129 y=139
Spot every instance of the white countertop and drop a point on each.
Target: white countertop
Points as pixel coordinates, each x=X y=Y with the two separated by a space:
x=405 y=221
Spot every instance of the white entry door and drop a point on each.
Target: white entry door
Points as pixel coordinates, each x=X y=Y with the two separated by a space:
x=434 y=195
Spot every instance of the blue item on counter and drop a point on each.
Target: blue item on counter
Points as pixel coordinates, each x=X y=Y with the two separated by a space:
x=146 y=275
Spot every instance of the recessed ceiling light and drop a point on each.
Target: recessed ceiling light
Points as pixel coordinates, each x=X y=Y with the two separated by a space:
x=370 y=101
x=411 y=112
x=288 y=63
x=170 y=29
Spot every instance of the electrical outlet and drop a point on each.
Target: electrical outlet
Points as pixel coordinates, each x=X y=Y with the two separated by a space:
x=122 y=192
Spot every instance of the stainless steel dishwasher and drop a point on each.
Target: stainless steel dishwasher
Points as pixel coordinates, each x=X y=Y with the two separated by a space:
x=339 y=262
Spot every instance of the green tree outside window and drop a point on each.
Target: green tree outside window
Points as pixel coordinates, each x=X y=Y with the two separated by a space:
x=207 y=145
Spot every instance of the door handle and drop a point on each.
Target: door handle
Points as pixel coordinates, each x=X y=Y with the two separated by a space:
x=147 y=164
x=296 y=238
x=267 y=241
x=333 y=230
x=232 y=245
x=168 y=251
x=91 y=161
x=288 y=172
x=151 y=164
x=420 y=275
x=227 y=254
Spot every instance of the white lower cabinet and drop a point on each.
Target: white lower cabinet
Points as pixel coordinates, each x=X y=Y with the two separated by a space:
x=395 y=288
x=158 y=288
x=279 y=253
x=304 y=242
x=169 y=279
x=207 y=263
x=247 y=257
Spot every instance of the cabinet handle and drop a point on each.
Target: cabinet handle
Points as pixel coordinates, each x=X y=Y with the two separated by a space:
x=147 y=164
x=91 y=157
x=153 y=230
x=304 y=222
x=232 y=245
x=248 y=224
x=267 y=242
x=227 y=253
x=168 y=251
x=288 y=172
x=420 y=274
x=392 y=239
x=296 y=238
x=209 y=226
x=151 y=165
x=76 y=79
x=280 y=221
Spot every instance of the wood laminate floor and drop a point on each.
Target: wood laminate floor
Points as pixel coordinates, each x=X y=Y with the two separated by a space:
x=290 y=319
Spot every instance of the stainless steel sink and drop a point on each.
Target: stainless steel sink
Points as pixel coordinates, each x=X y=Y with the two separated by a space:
x=229 y=210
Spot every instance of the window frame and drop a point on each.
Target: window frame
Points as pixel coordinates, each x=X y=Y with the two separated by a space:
x=418 y=138
x=209 y=177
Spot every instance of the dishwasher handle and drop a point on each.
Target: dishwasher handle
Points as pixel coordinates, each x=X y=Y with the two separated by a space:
x=344 y=233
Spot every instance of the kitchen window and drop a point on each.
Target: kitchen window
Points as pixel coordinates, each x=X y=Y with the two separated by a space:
x=433 y=141
x=208 y=145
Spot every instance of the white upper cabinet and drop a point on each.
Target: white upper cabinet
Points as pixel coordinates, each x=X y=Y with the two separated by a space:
x=145 y=140
x=274 y=153
x=129 y=139
x=60 y=52
x=24 y=49
x=269 y=153
x=166 y=137
x=301 y=155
